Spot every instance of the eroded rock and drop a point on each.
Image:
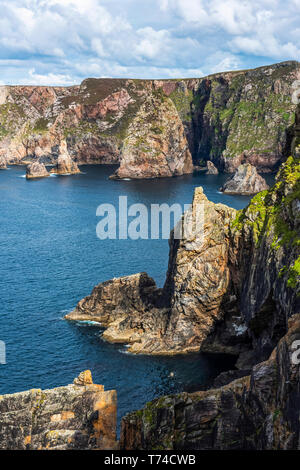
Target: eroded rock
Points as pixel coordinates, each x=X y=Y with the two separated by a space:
x=77 y=416
x=155 y=144
x=65 y=164
x=257 y=412
x=36 y=170
x=245 y=181
x=211 y=168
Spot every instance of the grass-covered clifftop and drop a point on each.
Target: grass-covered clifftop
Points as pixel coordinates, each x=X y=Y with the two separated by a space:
x=228 y=117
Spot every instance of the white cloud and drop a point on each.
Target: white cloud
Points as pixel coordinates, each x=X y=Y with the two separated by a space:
x=64 y=41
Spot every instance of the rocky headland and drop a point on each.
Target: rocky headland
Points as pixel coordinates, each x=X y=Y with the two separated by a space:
x=228 y=118
x=78 y=416
x=245 y=181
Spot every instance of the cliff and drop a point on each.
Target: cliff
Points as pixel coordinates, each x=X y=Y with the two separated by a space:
x=229 y=118
x=77 y=416
x=260 y=411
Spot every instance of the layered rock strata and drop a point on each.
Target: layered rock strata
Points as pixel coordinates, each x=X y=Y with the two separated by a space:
x=245 y=181
x=77 y=416
x=155 y=144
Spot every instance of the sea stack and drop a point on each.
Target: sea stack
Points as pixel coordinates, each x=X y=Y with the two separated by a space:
x=65 y=164
x=245 y=181
x=211 y=168
x=36 y=170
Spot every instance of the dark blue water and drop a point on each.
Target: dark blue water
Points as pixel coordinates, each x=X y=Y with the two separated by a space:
x=51 y=258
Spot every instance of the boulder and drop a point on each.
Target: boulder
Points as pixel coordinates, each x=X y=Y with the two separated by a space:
x=245 y=181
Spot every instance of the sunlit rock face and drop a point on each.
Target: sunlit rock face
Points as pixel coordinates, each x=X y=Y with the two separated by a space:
x=245 y=181
x=78 y=416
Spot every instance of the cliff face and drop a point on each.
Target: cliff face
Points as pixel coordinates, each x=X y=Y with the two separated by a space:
x=155 y=144
x=258 y=412
x=229 y=118
x=78 y=416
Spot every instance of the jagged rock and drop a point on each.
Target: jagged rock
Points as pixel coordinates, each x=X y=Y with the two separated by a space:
x=245 y=181
x=257 y=412
x=77 y=416
x=3 y=165
x=230 y=288
x=211 y=168
x=155 y=144
x=36 y=170
x=65 y=164
x=178 y=318
x=123 y=306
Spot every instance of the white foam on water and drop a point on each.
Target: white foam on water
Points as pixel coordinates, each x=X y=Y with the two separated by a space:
x=88 y=322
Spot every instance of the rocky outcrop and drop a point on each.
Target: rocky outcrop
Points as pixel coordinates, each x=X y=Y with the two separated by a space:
x=211 y=168
x=77 y=416
x=36 y=170
x=125 y=307
x=228 y=118
x=179 y=317
x=256 y=412
x=65 y=164
x=3 y=165
x=245 y=181
x=155 y=144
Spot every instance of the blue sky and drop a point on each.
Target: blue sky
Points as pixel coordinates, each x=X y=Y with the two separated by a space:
x=61 y=42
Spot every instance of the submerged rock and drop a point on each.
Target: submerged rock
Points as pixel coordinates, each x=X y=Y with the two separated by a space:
x=78 y=416
x=36 y=170
x=245 y=181
x=65 y=164
x=211 y=168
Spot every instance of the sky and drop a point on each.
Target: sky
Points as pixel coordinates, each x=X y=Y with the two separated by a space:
x=61 y=42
